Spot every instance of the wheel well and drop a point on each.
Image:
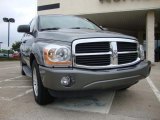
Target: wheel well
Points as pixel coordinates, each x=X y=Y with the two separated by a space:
x=32 y=58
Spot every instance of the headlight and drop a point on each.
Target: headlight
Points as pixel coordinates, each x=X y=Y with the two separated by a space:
x=141 y=52
x=58 y=56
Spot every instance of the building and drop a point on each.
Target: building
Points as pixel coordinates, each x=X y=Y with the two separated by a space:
x=139 y=18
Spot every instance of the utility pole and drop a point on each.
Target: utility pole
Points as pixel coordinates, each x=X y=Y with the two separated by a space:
x=0 y=46
x=8 y=20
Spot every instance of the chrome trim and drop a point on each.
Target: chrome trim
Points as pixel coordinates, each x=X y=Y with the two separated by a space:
x=108 y=66
x=127 y=52
x=114 y=55
x=103 y=40
x=113 y=46
x=100 y=53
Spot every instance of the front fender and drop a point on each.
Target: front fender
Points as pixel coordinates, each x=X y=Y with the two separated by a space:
x=37 y=51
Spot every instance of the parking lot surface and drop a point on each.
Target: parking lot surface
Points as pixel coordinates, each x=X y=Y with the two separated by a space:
x=140 y=102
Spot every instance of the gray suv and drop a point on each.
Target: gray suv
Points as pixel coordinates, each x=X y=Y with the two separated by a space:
x=69 y=54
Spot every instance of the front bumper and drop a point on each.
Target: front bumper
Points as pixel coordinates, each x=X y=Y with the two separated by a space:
x=94 y=79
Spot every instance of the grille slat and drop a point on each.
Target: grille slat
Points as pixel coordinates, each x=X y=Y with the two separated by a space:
x=93 y=60
x=127 y=58
x=93 y=47
x=126 y=46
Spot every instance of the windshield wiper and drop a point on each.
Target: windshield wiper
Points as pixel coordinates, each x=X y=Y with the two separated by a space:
x=81 y=28
x=43 y=29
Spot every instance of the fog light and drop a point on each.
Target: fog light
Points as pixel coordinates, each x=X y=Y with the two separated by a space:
x=66 y=81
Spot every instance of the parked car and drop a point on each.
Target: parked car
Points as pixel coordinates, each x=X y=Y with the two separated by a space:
x=69 y=54
x=3 y=55
x=16 y=55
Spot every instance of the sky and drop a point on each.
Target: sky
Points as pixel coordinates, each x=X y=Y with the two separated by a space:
x=22 y=11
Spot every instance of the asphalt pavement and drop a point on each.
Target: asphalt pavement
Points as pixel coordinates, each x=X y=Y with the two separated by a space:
x=139 y=102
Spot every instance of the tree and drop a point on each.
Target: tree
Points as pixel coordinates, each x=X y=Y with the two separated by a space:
x=4 y=51
x=16 y=46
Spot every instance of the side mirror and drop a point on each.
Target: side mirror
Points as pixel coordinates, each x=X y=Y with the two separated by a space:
x=24 y=28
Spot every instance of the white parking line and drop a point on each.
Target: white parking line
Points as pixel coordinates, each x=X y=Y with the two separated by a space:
x=15 y=87
x=10 y=79
x=12 y=87
x=110 y=103
x=17 y=80
x=154 y=88
x=18 y=96
x=21 y=95
x=9 y=68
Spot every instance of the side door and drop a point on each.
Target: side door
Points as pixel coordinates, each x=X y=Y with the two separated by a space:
x=30 y=38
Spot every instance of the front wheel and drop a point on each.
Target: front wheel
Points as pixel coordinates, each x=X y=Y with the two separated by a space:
x=124 y=88
x=41 y=94
x=22 y=71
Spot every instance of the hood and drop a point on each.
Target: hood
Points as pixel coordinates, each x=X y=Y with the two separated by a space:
x=69 y=35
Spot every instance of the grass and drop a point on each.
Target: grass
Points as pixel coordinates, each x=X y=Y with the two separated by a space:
x=8 y=59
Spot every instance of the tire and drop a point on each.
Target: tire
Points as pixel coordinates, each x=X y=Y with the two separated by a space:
x=41 y=94
x=124 y=88
x=22 y=71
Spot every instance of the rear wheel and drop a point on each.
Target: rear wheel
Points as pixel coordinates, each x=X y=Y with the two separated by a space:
x=41 y=94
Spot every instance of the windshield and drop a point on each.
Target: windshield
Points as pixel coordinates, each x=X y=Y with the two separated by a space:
x=68 y=22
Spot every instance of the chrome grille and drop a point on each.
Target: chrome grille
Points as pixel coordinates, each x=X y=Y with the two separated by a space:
x=101 y=53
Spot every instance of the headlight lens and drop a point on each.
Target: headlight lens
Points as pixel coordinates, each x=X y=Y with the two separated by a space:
x=63 y=54
x=56 y=55
x=141 y=52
